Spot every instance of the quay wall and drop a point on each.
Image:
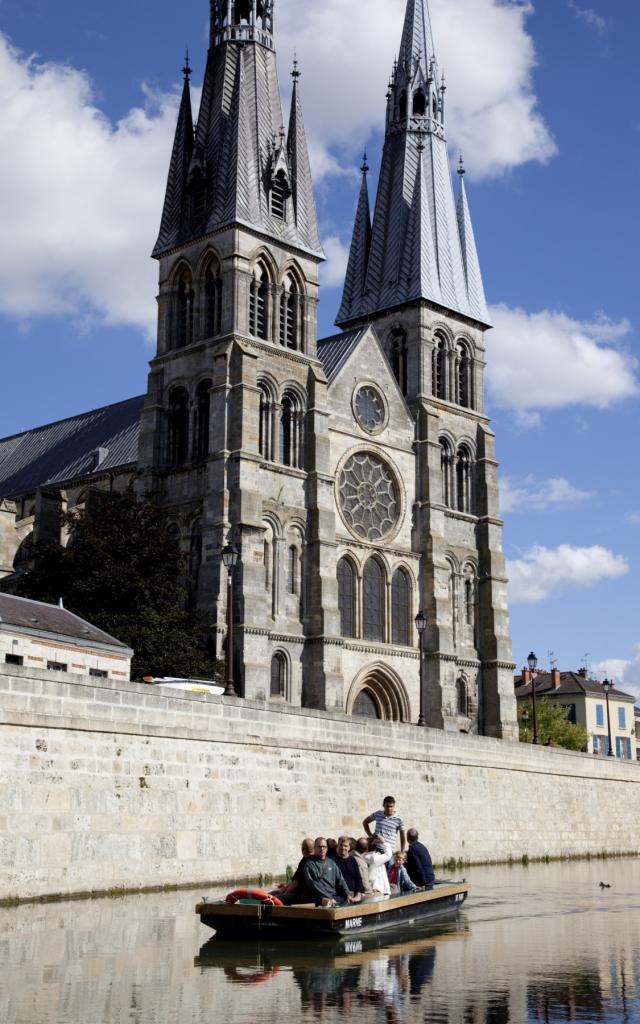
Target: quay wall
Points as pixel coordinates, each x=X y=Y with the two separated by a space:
x=107 y=785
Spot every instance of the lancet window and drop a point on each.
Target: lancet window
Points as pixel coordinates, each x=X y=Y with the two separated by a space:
x=202 y=421
x=462 y=698
x=463 y=377
x=279 y=196
x=439 y=369
x=266 y=423
x=279 y=675
x=290 y=314
x=184 y=310
x=464 y=488
x=399 y=357
x=347 y=597
x=212 y=300
x=291 y=432
x=446 y=463
x=419 y=104
x=178 y=428
x=259 y=303
x=373 y=602
x=401 y=608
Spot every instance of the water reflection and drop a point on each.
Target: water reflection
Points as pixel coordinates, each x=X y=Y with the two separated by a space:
x=543 y=944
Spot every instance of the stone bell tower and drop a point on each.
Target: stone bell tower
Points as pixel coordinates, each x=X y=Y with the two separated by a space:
x=414 y=275
x=233 y=421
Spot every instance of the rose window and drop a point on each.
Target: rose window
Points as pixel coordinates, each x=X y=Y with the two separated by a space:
x=369 y=408
x=368 y=496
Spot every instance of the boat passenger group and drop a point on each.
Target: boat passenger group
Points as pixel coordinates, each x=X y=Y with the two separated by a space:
x=335 y=872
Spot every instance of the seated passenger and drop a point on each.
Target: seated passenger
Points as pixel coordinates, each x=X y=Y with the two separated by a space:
x=332 y=849
x=419 y=865
x=322 y=880
x=361 y=849
x=349 y=869
x=399 y=876
x=377 y=857
x=292 y=892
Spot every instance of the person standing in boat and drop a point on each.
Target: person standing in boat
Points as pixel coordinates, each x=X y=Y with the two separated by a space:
x=322 y=879
x=419 y=863
x=388 y=824
x=377 y=858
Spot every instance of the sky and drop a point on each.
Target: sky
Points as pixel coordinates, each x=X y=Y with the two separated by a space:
x=541 y=102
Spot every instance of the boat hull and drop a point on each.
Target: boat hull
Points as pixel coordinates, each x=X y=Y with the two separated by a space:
x=250 y=920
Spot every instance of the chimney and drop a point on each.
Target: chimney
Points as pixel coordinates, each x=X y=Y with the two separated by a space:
x=583 y=672
x=555 y=678
x=526 y=676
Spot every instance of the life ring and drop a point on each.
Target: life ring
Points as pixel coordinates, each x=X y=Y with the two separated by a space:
x=236 y=977
x=254 y=894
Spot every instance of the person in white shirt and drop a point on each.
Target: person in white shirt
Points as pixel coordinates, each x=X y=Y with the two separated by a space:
x=377 y=857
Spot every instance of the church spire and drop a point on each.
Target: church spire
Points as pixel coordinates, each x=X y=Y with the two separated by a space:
x=415 y=210
x=475 y=287
x=353 y=298
x=175 y=214
x=240 y=171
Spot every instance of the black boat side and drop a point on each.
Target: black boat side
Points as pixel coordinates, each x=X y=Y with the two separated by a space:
x=240 y=920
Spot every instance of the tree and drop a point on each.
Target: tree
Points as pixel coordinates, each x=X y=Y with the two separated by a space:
x=124 y=573
x=553 y=725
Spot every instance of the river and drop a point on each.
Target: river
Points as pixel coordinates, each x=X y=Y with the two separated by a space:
x=539 y=943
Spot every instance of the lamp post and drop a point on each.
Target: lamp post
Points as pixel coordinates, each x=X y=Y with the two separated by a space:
x=525 y=722
x=532 y=662
x=607 y=686
x=421 y=625
x=230 y=560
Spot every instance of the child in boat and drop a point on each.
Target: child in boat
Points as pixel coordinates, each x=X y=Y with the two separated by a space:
x=399 y=876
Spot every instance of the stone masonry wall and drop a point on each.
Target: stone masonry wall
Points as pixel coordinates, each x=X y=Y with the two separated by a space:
x=108 y=785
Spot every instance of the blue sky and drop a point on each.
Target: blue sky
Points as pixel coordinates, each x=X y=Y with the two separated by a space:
x=543 y=101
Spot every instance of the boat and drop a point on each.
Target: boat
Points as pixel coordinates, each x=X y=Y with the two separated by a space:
x=248 y=918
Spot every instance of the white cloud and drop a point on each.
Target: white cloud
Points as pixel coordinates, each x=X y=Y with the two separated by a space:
x=81 y=198
x=544 y=573
x=589 y=17
x=625 y=673
x=571 y=362
x=536 y=495
x=332 y=272
x=484 y=46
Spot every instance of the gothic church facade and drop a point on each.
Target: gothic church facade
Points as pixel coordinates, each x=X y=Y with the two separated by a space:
x=356 y=475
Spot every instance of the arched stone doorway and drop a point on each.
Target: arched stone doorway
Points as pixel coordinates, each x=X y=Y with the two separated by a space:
x=378 y=694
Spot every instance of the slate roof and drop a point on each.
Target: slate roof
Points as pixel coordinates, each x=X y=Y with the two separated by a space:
x=570 y=682
x=334 y=352
x=34 y=616
x=421 y=245
x=60 y=452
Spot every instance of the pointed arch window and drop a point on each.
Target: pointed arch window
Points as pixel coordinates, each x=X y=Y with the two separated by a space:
x=293 y=570
x=399 y=357
x=202 y=421
x=266 y=424
x=464 y=480
x=446 y=463
x=401 y=609
x=366 y=706
x=184 y=310
x=462 y=698
x=419 y=104
x=439 y=369
x=178 y=428
x=373 y=601
x=279 y=196
x=259 y=303
x=463 y=377
x=470 y=600
x=291 y=432
x=347 y=597
x=212 y=300
x=279 y=676
x=290 y=310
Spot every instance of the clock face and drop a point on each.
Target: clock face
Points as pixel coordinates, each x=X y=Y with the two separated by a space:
x=369 y=406
x=368 y=496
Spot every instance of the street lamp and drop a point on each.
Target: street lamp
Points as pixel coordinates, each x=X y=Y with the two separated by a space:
x=525 y=722
x=421 y=625
x=532 y=662
x=607 y=686
x=230 y=560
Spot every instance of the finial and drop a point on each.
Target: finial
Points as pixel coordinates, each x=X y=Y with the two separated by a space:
x=365 y=163
x=186 y=71
x=461 y=168
x=443 y=84
x=295 y=74
x=282 y=136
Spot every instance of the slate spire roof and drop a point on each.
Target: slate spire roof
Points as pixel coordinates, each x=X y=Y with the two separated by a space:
x=224 y=174
x=353 y=298
x=421 y=247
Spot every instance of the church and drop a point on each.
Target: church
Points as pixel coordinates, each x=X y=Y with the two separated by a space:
x=356 y=475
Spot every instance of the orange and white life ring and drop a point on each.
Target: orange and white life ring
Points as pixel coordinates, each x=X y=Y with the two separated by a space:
x=254 y=894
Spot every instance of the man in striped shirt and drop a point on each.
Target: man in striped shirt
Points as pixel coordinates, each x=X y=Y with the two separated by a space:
x=387 y=824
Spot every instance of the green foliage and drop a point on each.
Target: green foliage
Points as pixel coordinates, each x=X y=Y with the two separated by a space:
x=554 y=727
x=123 y=573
